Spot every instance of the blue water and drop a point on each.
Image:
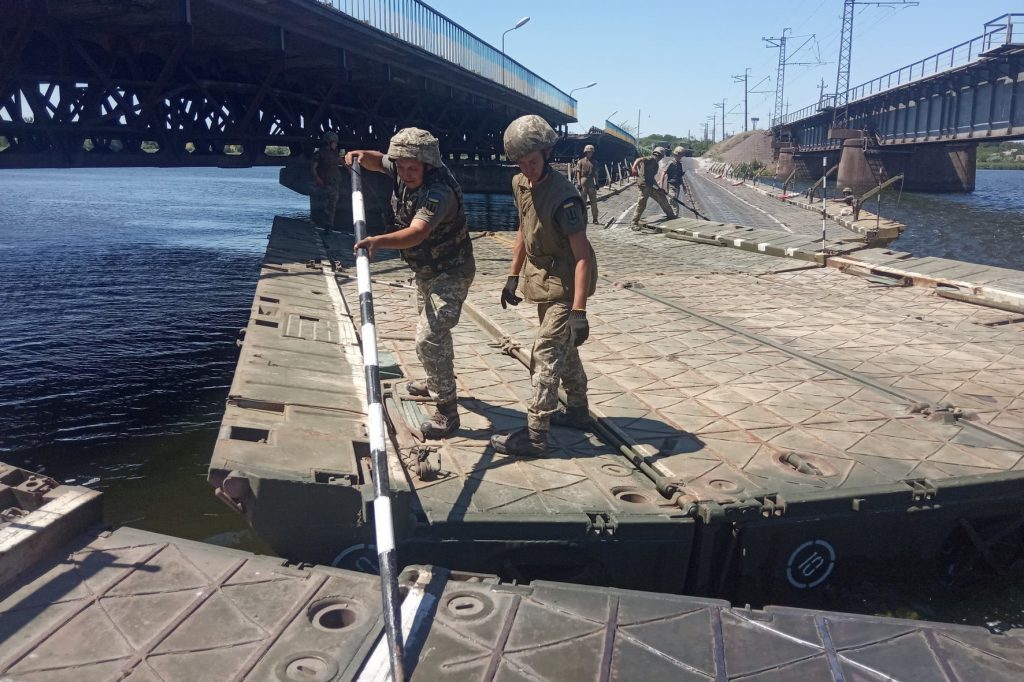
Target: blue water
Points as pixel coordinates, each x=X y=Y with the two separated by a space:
x=123 y=290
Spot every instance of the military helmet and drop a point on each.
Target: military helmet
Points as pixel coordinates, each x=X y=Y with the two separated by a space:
x=328 y=137
x=415 y=143
x=527 y=134
x=588 y=148
x=847 y=190
x=678 y=150
x=659 y=151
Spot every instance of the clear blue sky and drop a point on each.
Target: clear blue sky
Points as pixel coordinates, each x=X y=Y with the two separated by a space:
x=673 y=59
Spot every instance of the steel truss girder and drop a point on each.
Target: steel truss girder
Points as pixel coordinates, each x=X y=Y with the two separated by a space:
x=117 y=92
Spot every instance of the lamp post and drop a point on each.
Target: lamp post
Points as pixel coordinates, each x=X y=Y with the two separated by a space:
x=519 y=24
x=582 y=87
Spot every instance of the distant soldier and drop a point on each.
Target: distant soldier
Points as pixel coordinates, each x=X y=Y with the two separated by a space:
x=431 y=233
x=586 y=171
x=847 y=197
x=559 y=273
x=327 y=175
x=646 y=170
x=674 y=174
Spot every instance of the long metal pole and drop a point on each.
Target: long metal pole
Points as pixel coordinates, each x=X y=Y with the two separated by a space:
x=383 y=525
x=824 y=193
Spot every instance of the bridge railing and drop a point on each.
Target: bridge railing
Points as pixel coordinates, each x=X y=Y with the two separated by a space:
x=616 y=131
x=419 y=24
x=998 y=33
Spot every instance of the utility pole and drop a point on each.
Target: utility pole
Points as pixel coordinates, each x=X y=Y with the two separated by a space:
x=821 y=94
x=842 y=103
x=743 y=79
x=638 y=126
x=722 y=107
x=780 y=74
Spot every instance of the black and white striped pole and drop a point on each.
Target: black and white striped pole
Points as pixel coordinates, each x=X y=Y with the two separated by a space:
x=384 y=528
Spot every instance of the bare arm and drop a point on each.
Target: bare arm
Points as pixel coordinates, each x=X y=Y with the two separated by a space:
x=584 y=263
x=370 y=160
x=636 y=166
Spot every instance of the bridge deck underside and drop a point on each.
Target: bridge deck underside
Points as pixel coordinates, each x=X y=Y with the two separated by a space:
x=88 y=83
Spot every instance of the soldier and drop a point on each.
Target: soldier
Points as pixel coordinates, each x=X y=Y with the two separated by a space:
x=646 y=168
x=559 y=273
x=587 y=174
x=327 y=175
x=674 y=174
x=431 y=233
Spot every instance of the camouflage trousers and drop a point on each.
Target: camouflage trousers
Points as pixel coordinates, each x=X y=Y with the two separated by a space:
x=554 y=361
x=673 y=193
x=589 y=192
x=330 y=194
x=658 y=195
x=439 y=300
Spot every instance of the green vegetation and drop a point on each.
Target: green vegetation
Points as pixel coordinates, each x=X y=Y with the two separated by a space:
x=698 y=146
x=749 y=170
x=1001 y=155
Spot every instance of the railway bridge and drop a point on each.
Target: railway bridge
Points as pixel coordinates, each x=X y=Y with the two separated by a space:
x=924 y=120
x=248 y=82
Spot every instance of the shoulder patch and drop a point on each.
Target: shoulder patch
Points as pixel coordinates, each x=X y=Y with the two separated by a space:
x=571 y=212
x=433 y=201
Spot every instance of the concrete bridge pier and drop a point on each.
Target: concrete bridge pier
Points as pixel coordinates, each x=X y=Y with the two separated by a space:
x=926 y=167
x=806 y=164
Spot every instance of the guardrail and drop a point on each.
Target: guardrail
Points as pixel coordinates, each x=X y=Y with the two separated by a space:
x=419 y=24
x=998 y=33
x=615 y=131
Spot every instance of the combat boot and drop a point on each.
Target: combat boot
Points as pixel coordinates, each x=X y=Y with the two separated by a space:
x=524 y=442
x=575 y=417
x=417 y=388
x=443 y=423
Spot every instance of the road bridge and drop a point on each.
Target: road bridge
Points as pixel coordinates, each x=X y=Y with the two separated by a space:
x=246 y=82
x=924 y=120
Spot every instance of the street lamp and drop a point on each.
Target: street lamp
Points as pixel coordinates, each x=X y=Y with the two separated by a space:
x=519 y=24
x=582 y=87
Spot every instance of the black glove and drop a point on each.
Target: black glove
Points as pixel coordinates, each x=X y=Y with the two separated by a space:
x=579 y=328
x=508 y=294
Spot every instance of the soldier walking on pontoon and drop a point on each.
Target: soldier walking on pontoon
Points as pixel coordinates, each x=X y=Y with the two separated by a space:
x=559 y=273
x=431 y=233
x=674 y=174
x=646 y=169
x=327 y=175
x=586 y=171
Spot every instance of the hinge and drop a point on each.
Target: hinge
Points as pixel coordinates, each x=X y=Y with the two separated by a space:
x=601 y=523
x=921 y=489
x=772 y=505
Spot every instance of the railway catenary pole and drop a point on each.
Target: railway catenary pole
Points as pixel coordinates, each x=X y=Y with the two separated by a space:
x=383 y=525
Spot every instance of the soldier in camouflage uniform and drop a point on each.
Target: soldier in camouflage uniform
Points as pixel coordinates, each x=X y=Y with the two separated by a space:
x=586 y=171
x=559 y=273
x=674 y=175
x=646 y=170
x=327 y=175
x=431 y=233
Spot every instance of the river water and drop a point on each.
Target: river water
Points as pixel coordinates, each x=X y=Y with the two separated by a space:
x=123 y=291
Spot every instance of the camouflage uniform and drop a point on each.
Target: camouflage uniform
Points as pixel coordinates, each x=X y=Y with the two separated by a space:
x=674 y=175
x=443 y=264
x=587 y=174
x=648 y=187
x=327 y=168
x=548 y=213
